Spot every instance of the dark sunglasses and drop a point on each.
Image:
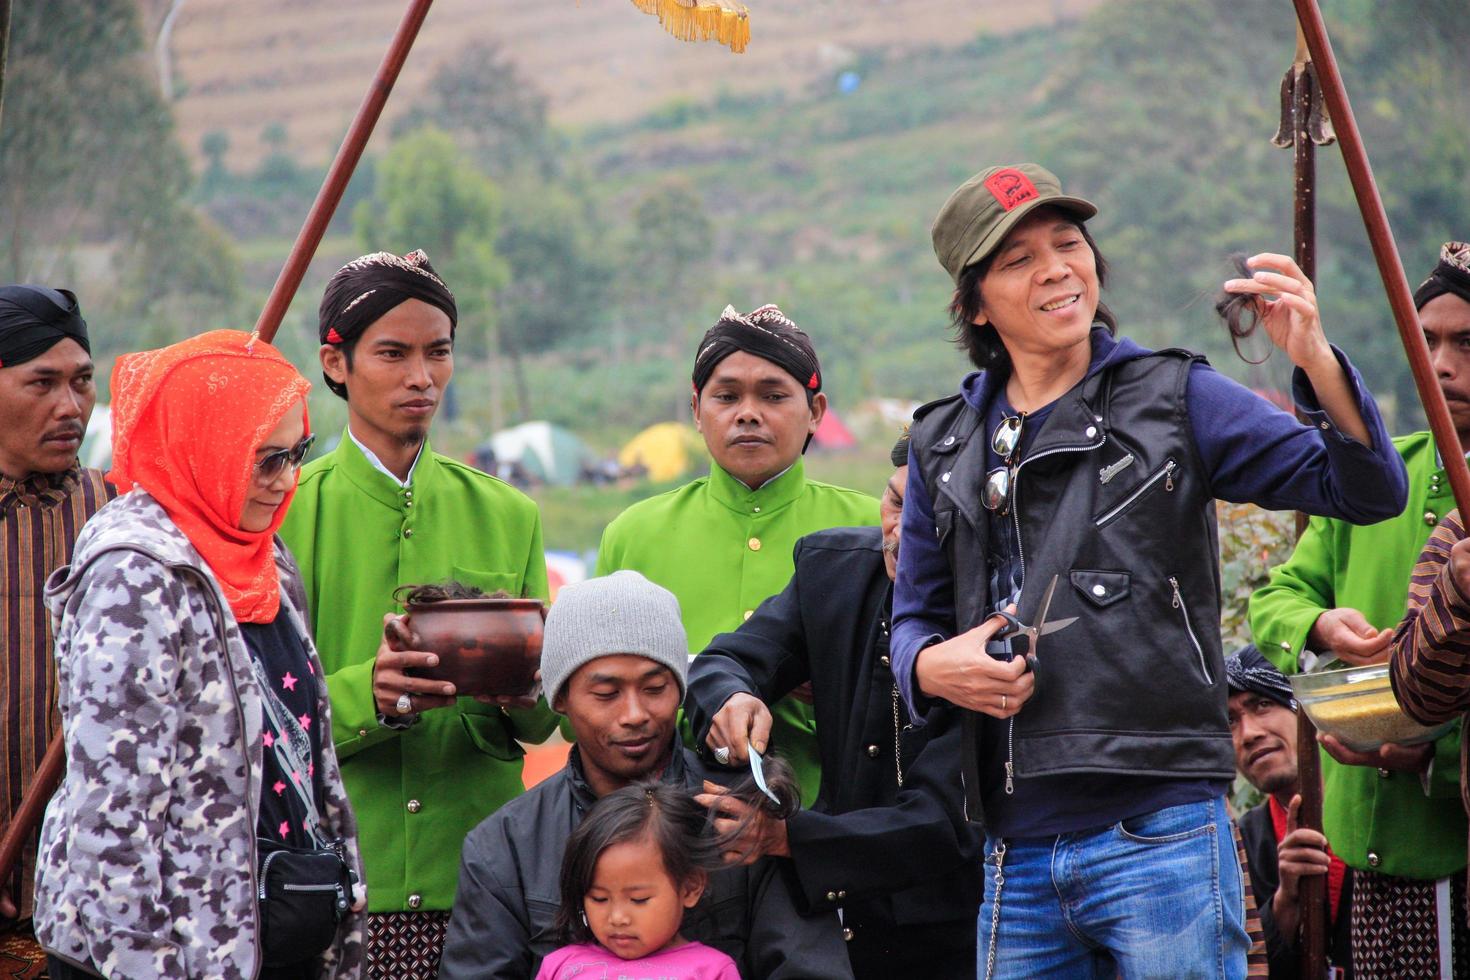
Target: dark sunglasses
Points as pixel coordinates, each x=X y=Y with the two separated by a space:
x=268 y=467
x=1006 y=441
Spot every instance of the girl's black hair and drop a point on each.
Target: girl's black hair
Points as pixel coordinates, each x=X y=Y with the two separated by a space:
x=668 y=816
x=1240 y=311
x=982 y=343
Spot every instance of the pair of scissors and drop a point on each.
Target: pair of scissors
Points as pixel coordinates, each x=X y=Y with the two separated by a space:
x=1014 y=627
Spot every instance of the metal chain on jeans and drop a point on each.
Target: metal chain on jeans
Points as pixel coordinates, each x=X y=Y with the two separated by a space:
x=999 y=881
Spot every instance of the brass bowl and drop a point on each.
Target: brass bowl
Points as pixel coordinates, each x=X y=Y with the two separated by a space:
x=486 y=646
x=1357 y=707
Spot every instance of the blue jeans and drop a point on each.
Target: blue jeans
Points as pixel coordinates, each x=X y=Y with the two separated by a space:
x=1153 y=896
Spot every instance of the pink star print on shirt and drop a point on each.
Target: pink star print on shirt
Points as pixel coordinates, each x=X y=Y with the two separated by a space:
x=284 y=828
x=267 y=740
x=279 y=787
x=305 y=721
x=288 y=682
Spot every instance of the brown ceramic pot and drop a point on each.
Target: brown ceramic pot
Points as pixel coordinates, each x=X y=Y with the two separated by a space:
x=485 y=646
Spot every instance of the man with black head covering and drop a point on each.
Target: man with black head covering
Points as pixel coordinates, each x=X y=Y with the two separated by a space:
x=723 y=543
x=421 y=765
x=46 y=397
x=1392 y=815
x=1279 y=854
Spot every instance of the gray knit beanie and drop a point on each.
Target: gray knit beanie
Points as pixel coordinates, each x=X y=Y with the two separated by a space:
x=616 y=614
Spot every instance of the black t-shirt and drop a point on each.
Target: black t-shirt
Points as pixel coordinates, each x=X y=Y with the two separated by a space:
x=280 y=650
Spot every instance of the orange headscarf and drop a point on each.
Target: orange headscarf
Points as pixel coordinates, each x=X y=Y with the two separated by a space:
x=186 y=422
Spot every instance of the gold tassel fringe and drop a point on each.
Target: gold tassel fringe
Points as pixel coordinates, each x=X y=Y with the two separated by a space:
x=725 y=21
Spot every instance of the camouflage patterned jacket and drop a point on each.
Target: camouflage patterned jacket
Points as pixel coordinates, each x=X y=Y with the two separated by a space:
x=148 y=861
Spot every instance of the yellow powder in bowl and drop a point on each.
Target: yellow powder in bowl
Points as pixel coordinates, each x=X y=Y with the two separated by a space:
x=1368 y=720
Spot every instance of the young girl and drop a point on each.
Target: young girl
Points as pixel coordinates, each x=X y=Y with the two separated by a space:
x=635 y=864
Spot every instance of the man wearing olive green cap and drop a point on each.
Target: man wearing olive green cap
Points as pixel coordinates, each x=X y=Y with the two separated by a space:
x=1078 y=471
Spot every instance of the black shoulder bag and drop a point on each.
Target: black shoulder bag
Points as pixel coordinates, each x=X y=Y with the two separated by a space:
x=304 y=893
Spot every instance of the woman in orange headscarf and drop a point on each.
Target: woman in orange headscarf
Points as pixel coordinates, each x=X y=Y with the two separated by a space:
x=201 y=776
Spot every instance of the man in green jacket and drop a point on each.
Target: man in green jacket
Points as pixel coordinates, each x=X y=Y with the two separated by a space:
x=723 y=544
x=422 y=767
x=1393 y=816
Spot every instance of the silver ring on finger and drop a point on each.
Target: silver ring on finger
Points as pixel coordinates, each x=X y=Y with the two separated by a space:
x=722 y=755
x=1003 y=701
x=405 y=703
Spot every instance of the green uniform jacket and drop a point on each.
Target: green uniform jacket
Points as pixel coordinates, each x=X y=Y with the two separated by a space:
x=357 y=536
x=723 y=549
x=1381 y=822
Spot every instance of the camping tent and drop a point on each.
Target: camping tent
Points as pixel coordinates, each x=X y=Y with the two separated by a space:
x=547 y=452
x=667 y=450
x=832 y=433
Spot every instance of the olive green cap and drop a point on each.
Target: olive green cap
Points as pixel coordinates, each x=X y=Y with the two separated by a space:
x=978 y=216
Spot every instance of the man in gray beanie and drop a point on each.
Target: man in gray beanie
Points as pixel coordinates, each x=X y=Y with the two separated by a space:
x=613 y=662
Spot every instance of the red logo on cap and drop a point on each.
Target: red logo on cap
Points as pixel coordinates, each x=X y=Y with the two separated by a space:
x=1011 y=188
x=813 y=381
x=333 y=337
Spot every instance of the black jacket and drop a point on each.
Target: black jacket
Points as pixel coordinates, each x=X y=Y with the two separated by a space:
x=1283 y=952
x=891 y=857
x=509 y=891
x=1113 y=500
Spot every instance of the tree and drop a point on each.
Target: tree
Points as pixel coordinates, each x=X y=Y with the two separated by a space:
x=673 y=238
x=559 y=277
x=429 y=195
x=499 y=113
x=81 y=111
x=215 y=146
x=89 y=153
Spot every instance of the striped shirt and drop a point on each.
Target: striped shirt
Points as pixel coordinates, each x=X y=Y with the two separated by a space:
x=1431 y=647
x=39 y=520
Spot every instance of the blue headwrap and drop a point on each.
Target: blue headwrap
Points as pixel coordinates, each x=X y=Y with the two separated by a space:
x=1246 y=670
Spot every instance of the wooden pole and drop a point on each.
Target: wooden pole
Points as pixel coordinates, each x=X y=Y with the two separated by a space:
x=4 y=48
x=1390 y=269
x=32 y=807
x=340 y=172
x=1305 y=100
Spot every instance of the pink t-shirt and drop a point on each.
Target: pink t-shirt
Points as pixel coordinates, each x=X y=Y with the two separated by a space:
x=692 y=961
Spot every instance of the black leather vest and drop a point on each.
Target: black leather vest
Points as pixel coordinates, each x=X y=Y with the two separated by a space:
x=1113 y=500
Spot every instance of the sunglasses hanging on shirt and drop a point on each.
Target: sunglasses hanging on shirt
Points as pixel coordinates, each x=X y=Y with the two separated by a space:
x=1006 y=442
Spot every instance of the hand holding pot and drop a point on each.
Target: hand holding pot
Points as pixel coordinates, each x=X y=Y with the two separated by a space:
x=393 y=688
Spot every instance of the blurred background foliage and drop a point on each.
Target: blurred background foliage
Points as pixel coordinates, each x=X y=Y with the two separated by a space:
x=589 y=259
